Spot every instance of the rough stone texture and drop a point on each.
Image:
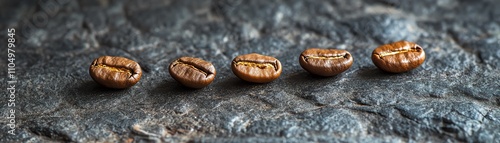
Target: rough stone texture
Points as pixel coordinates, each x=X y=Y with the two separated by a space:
x=453 y=97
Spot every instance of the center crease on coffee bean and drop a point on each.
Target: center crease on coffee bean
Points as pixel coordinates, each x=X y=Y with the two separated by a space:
x=259 y=65
x=206 y=73
x=327 y=57
x=394 y=52
x=116 y=69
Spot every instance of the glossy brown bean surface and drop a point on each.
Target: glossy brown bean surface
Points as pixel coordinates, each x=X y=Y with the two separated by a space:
x=398 y=57
x=325 y=62
x=256 y=68
x=115 y=72
x=192 y=72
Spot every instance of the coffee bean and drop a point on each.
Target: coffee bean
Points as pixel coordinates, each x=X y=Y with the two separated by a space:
x=192 y=72
x=325 y=62
x=115 y=72
x=256 y=68
x=398 y=57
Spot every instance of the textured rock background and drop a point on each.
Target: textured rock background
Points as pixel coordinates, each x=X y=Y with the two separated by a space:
x=454 y=96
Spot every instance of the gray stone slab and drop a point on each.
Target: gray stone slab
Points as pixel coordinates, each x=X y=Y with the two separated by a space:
x=453 y=97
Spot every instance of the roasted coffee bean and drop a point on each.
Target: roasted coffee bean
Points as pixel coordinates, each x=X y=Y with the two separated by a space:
x=256 y=68
x=398 y=57
x=192 y=72
x=325 y=62
x=115 y=72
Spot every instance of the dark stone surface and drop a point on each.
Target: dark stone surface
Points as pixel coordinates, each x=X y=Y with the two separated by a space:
x=453 y=97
